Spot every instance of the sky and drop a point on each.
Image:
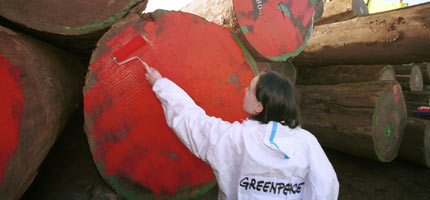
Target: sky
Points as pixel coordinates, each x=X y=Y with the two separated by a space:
x=178 y=4
x=166 y=4
x=410 y=2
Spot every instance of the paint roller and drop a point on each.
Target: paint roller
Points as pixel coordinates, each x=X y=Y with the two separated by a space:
x=121 y=54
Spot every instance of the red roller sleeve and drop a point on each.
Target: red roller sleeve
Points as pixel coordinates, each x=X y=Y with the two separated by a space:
x=129 y=48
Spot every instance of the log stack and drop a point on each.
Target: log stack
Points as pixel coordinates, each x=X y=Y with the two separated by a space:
x=40 y=88
x=354 y=54
x=341 y=10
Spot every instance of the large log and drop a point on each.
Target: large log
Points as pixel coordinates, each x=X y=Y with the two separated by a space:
x=132 y=146
x=396 y=37
x=364 y=119
x=273 y=30
x=409 y=76
x=415 y=147
x=74 y=25
x=331 y=75
x=340 y=10
x=40 y=87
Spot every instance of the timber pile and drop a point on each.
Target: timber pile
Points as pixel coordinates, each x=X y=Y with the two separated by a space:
x=122 y=114
x=341 y=10
x=343 y=66
x=40 y=88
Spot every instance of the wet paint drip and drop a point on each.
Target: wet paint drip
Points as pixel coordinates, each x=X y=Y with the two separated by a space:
x=132 y=138
x=396 y=93
x=11 y=111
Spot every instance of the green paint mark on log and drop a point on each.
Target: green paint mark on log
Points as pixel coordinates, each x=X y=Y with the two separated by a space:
x=284 y=9
x=313 y=2
x=388 y=132
x=244 y=29
x=110 y=19
x=247 y=54
x=284 y=57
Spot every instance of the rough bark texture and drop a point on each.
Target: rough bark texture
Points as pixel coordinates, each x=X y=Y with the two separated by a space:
x=271 y=30
x=396 y=37
x=331 y=75
x=132 y=146
x=74 y=25
x=415 y=147
x=286 y=69
x=50 y=83
x=409 y=76
x=340 y=10
x=365 y=119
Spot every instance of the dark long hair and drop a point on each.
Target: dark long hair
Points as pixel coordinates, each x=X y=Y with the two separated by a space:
x=277 y=96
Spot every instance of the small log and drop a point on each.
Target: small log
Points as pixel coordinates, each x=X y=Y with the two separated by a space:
x=273 y=30
x=286 y=69
x=40 y=88
x=415 y=147
x=132 y=146
x=365 y=119
x=410 y=77
x=425 y=69
x=331 y=75
x=340 y=10
x=395 y=37
x=74 y=25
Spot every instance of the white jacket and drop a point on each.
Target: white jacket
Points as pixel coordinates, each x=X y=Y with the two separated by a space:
x=250 y=160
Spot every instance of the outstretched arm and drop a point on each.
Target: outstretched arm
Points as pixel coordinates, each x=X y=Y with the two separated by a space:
x=195 y=129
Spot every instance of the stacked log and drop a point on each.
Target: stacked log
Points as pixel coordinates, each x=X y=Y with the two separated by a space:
x=331 y=75
x=270 y=30
x=340 y=10
x=395 y=37
x=40 y=88
x=286 y=69
x=73 y=25
x=410 y=77
x=132 y=146
x=425 y=69
x=366 y=119
x=415 y=147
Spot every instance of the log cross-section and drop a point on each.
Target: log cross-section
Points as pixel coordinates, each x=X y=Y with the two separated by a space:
x=365 y=119
x=409 y=76
x=133 y=147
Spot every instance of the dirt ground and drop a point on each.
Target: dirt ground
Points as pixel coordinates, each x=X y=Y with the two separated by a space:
x=69 y=173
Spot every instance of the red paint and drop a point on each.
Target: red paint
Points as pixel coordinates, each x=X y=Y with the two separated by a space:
x=273 y=33
x=129 y=48
x=128 y=124
x=11 y=111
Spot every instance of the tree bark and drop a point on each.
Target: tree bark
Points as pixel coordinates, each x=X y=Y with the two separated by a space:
x=415 y=147
x=365 y=119
x=286 y=69
x=396 y=37
x=73 y=25
x=410 y=77
x=331 y=75
x=41 y=87
x=271 y=30
x=124 y=120
x=340 y=10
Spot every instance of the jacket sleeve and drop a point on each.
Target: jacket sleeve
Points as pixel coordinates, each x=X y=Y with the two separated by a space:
x=194 y=128
x=322 y=180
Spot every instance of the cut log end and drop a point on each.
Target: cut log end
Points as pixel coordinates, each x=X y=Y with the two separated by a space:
x=387 y=129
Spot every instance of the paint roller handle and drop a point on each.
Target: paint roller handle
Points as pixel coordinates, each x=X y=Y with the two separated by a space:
x=152 y=75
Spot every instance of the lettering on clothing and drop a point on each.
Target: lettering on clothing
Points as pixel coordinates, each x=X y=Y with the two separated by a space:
x=293 y=189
